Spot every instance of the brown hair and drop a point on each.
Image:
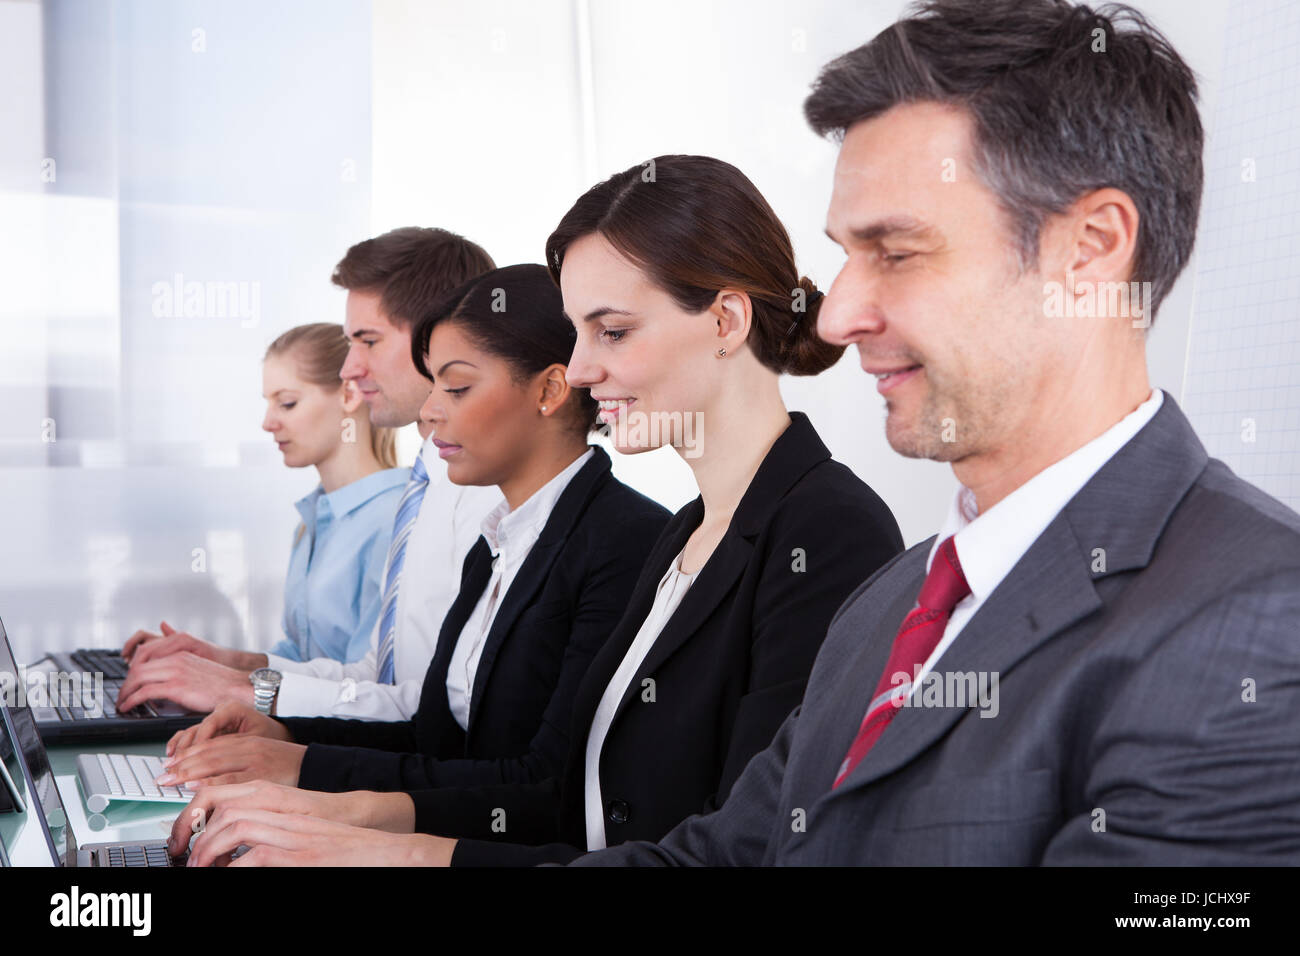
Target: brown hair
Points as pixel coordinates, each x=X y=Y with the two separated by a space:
x=319 y=349
x=696 y=225
x=411 y=268
x=1064 y=99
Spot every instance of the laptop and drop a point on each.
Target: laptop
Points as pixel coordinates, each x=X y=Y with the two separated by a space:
x=35 y=831
x=79 y=705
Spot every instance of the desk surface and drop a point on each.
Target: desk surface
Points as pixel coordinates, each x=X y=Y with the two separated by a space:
x=123 y=821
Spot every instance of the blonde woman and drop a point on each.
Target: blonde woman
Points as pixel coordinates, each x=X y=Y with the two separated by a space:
x=332 y=590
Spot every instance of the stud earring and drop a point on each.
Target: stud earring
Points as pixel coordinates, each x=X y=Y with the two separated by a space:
x=543 y=408
x=722 y=351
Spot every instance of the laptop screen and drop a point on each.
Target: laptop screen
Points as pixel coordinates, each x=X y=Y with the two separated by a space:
x=35 y=832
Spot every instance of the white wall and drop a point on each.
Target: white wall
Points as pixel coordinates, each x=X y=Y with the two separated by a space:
x=233 y=164
x=481 y=126
x=221 y=160
x=1242 y=385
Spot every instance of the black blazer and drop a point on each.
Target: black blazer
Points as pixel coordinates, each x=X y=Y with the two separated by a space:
x=728 y=667
x=561 y=607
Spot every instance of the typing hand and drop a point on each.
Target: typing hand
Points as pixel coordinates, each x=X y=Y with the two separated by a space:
x=143 y=646
x=228 y=718
x=194 y=682
x=140 y=638
x=234 y=759
x=211 y=806
x=291 y=839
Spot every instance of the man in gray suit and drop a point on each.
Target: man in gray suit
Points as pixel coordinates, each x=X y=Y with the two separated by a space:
x=1097 y=659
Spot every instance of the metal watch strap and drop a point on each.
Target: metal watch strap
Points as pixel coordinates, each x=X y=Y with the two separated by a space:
x=264 y=697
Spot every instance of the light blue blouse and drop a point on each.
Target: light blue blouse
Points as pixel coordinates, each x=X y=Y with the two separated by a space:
x=333 y=589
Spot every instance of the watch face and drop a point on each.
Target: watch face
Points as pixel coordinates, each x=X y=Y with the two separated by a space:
x=266 y=674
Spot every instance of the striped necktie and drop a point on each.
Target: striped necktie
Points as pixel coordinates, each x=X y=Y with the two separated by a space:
x=407 y=509
x=916 y=640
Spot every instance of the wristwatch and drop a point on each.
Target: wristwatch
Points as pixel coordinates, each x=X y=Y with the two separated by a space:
x=266 y=684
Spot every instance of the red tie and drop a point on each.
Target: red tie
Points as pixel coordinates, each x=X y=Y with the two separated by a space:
x=917 y=638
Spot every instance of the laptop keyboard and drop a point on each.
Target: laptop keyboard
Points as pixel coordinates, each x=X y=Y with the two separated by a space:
x=114 y=668
x=109 y=662
x=143 y=856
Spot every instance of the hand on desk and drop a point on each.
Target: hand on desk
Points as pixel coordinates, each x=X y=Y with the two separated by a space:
x=145 y=646
x=234 y=759
x=212 y=807
x=185 y=678
x=229 y=718
x=292 y=839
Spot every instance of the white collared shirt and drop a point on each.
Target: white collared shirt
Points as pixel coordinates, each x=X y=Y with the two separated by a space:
x=989 y=545
x=444 y=530
x=510 y=536
x=672 y=588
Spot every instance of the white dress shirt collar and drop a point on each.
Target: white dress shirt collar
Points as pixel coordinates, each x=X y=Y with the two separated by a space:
x=525 y=523
x=989 y=545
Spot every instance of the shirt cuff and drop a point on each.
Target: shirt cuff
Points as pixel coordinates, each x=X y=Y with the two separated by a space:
x=305 y=696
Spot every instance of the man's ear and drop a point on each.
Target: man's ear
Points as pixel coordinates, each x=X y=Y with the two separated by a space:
x=1100 y=243
x=350 y=397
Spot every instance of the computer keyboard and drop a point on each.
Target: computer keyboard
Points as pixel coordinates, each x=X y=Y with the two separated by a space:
x=108 y=662
x=114 y=668
x=142 y=856
x=108 y=777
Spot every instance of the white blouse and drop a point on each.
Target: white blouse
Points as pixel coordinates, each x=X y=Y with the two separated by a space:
x=510 y=536
x=672 y=588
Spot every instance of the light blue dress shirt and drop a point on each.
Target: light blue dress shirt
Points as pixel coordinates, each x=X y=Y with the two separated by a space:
x=333 y=589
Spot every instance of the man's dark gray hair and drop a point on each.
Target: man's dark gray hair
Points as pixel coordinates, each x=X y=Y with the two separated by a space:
x=1064 y=99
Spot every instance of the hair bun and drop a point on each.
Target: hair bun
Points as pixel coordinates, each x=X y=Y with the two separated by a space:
x=811 y=292
x=805 y=353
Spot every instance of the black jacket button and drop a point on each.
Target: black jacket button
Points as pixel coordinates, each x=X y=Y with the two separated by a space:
x=618 y=811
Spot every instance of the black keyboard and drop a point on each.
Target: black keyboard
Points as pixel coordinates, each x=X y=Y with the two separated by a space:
x=143 y=856
x=114 y=668
x=108 y=662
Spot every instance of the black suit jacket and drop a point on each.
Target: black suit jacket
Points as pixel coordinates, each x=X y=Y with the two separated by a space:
x=727 y=668
x=561 y=607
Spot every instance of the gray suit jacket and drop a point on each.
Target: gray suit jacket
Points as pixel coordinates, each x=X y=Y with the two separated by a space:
x=1147 y=713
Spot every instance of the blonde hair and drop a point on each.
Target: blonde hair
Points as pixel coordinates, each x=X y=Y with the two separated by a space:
x=320 y=349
